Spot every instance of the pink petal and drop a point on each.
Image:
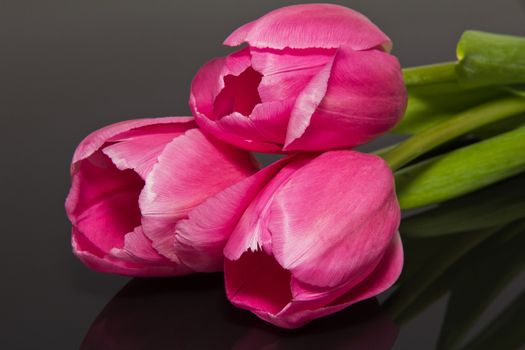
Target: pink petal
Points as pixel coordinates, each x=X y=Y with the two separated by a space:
x=242 y=132
x=139 y=153
x=251 y=233
x=307 y=103
x=200 y=239
x=95 y=259
x=238 y=95
x=256 y=282
x=380 y=279
x=96 y=139
x=383 y=277
x=217 y=106
x=285 y=73
x=359 y=96
x=137 y=249
x=206 y=85
x=191 y=169
x=102 y=202
x=209 y=82
x=316 y=224
x=311 y=26
x=263 y=131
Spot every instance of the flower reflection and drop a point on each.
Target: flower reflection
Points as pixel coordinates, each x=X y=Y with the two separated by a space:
x=192 y=313
x=468 y=250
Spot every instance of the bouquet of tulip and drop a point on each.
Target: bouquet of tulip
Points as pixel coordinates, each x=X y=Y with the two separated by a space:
x=316 y=231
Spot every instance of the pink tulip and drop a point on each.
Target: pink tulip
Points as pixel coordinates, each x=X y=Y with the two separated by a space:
x=312 y=78
x=319 y=234
x=136 y=185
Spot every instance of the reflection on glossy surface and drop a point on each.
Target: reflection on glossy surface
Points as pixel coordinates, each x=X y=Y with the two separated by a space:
x=467 y=252
x=193 y=313
x=471 y=251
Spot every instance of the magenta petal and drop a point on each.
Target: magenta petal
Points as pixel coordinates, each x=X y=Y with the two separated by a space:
x=218 y=110
x=139 y=153
x=239 y=94
x=251 y=233
x=96 y=139
x=311 y=26
x=258 y=283
x=200 y=239
x=270 y=119
x=306 y=104
x=286 y=72
x=206 y=85
x=102 y=202
x=316 y=224
x=359 y=96
x=381 y=278
x=95 y=259
x=191 y=169
x=137 y=248
x=385 y=274
x=210 y=81
x=242 y=132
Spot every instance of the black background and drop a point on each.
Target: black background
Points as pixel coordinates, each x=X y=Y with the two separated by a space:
x=70 y=67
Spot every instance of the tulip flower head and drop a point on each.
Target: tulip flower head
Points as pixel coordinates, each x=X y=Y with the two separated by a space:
x=319 y=234
x=135 y=182
x=312 y=78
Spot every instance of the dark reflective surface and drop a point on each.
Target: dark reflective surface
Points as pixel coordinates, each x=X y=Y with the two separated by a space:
x=465 y=262
x=192 y=313
x=69 y=67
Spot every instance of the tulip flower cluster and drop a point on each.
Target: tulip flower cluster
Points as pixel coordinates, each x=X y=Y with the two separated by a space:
x=300 y=239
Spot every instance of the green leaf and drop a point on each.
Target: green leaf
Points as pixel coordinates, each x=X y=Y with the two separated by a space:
x=450 y=129
x=479 y=281
x=496 y=205
x=427 y=110
x=461 y=171
x=487 y=59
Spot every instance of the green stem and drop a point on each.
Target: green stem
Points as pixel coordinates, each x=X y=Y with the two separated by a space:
x=487 y=59
x=461 y=171
x=430 y=74
x=448 y=130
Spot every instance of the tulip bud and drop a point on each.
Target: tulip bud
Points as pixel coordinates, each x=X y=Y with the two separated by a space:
x=319 y=235
x=312 y=78
x=134 y=182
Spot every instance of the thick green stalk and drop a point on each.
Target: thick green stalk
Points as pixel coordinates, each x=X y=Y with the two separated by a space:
x=462 y=171
x=447 y=130
x=487 y=59
x=430 y=74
